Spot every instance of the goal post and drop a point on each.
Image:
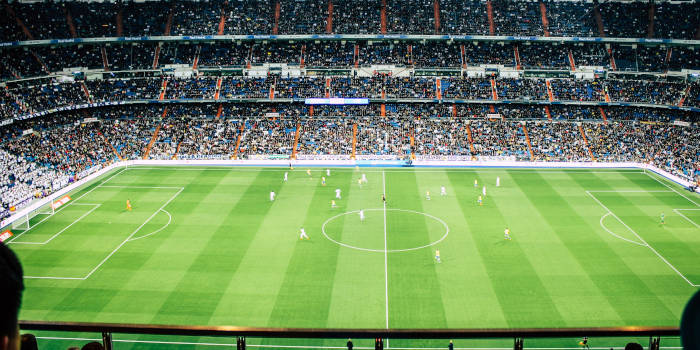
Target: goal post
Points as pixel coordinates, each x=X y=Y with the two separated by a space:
x=25 y=222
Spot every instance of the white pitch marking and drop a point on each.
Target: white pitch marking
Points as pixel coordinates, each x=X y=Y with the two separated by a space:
x=386 y=254
x=678 y=211
x=308 y=346
x=444 y=224
x=635 y=191
x=672 y=189
x=643 y=241
x=65 y=206
x=465 y=169
x=610 y=232
x=133 y=233
x=65 y=228
x=170 y=218
x=129 y=186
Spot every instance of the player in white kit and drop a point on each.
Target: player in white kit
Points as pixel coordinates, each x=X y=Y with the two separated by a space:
x=364 y=178
x=285 y=176
x=272 y=196
x=443 y=192
x=362 y=215
x=337 y=193
x=303 y=234
x=498 y=181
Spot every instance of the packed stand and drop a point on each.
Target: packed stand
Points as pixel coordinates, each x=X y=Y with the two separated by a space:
x=521 y=89
x=191 y=88
x=436 y=138
x=410 y=16
x=499 y=139
x=654 y=92
x=70 y=149
x=625 y=20
x=124 y=89
x=569 y=18
x=303 y=16
x=267 y=137
x=544 y=56
x=332 y=136
x=577 y=90
x=558 y=141
x=517 y=18
x=22 y=181
x=463 y=17
x=467 y=88
x=383 y=137
x=356 y=17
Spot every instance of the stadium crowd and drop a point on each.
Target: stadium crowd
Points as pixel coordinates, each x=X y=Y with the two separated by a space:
x=65 y=146
x=27 y=62
x=48 y=20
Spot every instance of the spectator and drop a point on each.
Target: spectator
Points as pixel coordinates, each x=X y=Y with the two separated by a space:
x=11 y=287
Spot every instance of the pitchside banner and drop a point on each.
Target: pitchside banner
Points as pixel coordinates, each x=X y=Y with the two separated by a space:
x=60 y=202
x=5 y=236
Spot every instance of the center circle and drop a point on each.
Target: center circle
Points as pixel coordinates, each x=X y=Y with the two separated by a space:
x=401 y=230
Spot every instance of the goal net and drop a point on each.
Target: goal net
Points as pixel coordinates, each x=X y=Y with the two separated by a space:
x=33 y=217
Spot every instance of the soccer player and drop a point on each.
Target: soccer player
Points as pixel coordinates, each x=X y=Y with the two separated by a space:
x=308 y=172
x=128 y=204
x=285 y=176
x=384 y=198
x=323 y=180
x=506 y=234
x=476 y=183
x=362 y=215
x=443 y=192
x=584 y=343
x=337 y=193
x=480 y=201
x=359 y=182
x=328 y=172
x=333 y=204
x=483 y=191
x=427 y=195
x=272 y=196
x=364 y=178
x=663 y=219
x=303 y=234
x=437 y=255
x=498 y=181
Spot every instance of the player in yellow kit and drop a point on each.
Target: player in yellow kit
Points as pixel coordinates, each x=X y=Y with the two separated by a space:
x=128 y=204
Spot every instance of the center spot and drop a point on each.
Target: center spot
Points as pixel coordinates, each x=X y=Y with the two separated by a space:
x=405 y=230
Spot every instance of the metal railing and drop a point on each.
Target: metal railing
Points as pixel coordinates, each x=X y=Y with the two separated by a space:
x=240 y=333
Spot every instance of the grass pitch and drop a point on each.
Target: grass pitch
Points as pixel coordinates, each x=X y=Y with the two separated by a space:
x=206 y=246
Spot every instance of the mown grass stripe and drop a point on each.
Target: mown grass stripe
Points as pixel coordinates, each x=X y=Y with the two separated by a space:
x=522 y=296
x=305 y=294
x=414 y=288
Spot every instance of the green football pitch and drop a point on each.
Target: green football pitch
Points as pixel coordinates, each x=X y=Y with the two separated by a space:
x=207 y=246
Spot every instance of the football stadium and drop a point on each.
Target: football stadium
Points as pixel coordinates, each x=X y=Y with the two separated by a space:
x=339 y=174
